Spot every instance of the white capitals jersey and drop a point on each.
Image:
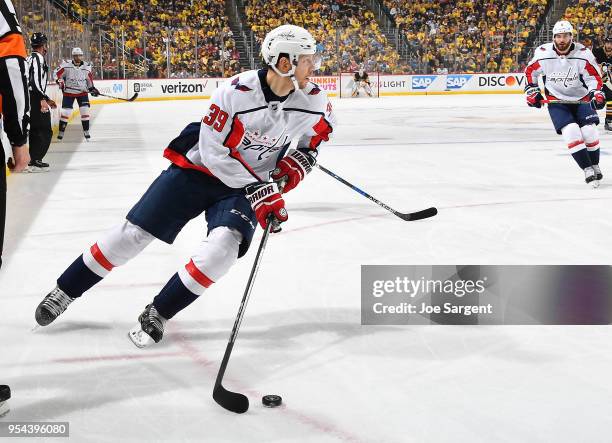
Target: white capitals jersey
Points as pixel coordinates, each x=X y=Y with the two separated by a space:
x=566 y=77
x=248 y=129
x=77 y=78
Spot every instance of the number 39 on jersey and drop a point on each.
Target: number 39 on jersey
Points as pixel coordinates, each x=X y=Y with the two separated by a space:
x=216 y=118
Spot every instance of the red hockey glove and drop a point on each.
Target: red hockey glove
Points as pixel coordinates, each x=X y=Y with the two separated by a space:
x=266 y=200
x=293 y=168
x=533 y=96
x=94 y=91
x=598 y=100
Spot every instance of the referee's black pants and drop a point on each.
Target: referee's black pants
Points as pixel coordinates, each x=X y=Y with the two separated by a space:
x=40 y=129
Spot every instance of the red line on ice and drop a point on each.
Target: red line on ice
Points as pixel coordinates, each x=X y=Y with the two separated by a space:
x=328 y=428
x=332 y=222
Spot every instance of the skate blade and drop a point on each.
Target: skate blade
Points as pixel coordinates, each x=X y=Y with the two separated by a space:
x=140 y=338
x=4 y=408
x=595 y=184
x=35 y=328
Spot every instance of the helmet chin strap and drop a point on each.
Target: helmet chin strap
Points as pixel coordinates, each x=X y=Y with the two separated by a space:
x=295 y=83
x=290 y=74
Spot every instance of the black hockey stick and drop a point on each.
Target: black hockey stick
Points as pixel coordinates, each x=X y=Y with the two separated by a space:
x=131 y=99
x=563 y=102
x=409 y=216
x=234 y=401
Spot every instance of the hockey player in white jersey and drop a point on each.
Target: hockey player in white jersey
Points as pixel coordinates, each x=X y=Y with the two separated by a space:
x=75 y=80
x=227 y=166
x=570 y=75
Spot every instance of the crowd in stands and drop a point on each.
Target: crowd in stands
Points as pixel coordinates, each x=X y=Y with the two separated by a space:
x=42 y=16
x=592 y=20
x=131 y=37
x=347 y=32
x=468 y=35
x=145 y=30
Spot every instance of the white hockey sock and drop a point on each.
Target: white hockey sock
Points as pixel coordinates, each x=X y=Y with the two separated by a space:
x=573 y=137
x=116 y=248
x=591 y=137
x=214 y=258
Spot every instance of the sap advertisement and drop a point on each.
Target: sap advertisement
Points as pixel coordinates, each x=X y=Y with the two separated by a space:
x=460 y=83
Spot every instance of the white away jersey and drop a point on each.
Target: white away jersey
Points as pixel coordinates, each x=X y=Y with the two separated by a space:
x=77 y=78
x=247 y=129
x=566 y=77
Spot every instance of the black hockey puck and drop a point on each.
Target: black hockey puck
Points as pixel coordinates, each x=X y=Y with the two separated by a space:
x=5 y=392
x=271 y=401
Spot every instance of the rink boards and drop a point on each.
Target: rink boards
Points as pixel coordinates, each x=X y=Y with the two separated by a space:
x=389 y=85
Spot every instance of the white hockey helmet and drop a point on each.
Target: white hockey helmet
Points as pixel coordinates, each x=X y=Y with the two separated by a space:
x=77 y=51
x=291 y=40
x=562 y=27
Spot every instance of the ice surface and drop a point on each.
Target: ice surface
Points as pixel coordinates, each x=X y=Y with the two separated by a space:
x=507 y=192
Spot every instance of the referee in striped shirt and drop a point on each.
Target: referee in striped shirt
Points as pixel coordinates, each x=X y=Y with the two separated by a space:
x=15 y=100
x=40 y=103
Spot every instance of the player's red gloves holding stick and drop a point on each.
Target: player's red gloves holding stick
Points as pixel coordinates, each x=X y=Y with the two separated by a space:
x=533 y=96
x=597 y=99
x=266 y=200
x=293 y=168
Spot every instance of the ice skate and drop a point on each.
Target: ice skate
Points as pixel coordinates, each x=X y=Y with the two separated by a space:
x=591 y=177
x=60 y=135
x=150 y=328
x=5 y=395
x=86 y=134
x=52 y=306
x=37 y=166
x=598 y=174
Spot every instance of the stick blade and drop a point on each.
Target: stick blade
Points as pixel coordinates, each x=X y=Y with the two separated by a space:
x=419 y=215
x=134 y=97
x=232 y=401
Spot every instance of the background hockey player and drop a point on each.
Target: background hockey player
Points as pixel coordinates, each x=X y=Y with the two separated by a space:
x=221 y=166
x=603 y=55
x=40 y=103
x=570 y=73
x=75 y=80
x=361 y=81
